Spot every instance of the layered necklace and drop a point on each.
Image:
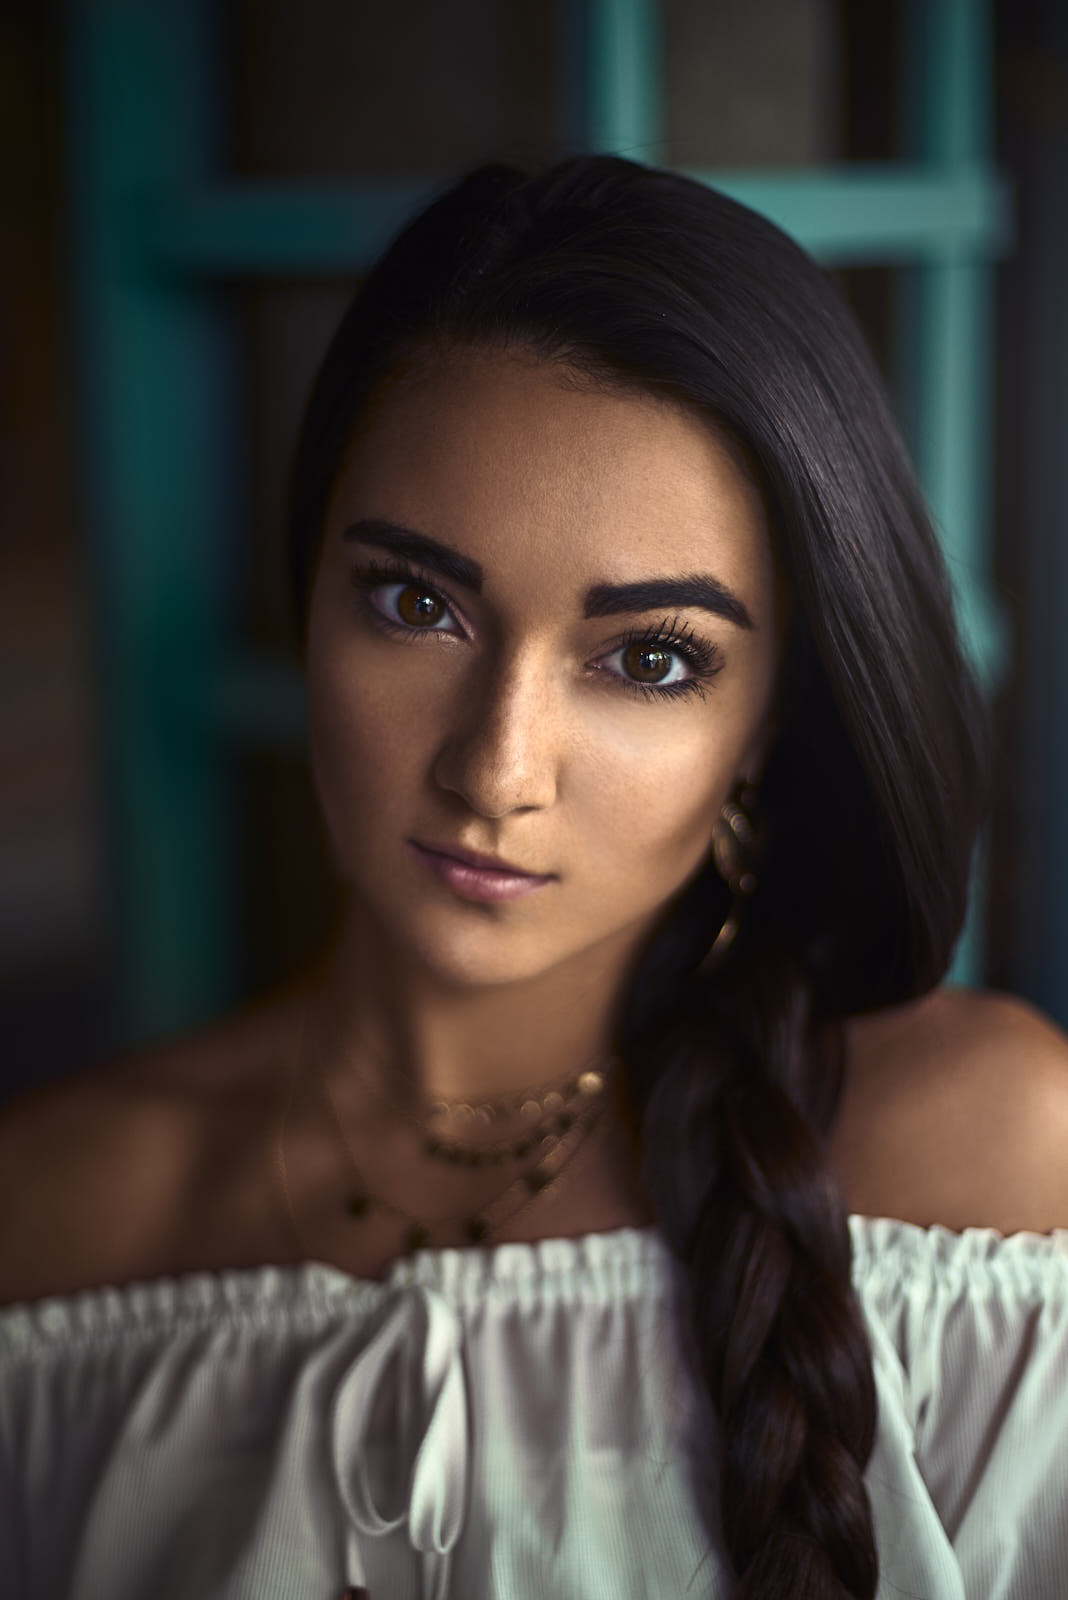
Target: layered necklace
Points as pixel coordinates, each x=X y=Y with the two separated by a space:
x=553 y=1120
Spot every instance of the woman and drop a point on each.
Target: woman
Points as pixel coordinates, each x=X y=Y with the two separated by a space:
x=618 y=1208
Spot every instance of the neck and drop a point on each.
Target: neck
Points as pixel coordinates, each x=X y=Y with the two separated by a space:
x=375 y=1016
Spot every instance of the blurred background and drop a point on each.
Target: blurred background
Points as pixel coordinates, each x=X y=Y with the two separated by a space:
x=190 y=192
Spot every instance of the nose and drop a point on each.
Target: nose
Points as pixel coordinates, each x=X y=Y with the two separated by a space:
x=502 y=751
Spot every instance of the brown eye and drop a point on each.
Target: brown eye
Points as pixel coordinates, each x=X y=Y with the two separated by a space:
x=418 y=608
x=647 y=664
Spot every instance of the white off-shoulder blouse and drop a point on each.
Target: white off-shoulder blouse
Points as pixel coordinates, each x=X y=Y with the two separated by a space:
x=514 y=1423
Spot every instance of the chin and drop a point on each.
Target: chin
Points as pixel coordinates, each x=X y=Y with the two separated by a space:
x=487 y=959
x=466 y=951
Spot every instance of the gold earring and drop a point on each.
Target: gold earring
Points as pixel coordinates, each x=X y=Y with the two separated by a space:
x=734 y=846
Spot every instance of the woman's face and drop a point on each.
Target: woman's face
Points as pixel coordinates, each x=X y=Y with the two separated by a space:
x=543 y=628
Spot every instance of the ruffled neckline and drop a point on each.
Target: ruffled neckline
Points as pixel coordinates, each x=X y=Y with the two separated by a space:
x=625 y=1262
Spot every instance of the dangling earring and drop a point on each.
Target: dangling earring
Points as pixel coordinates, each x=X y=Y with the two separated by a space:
x=734 y=848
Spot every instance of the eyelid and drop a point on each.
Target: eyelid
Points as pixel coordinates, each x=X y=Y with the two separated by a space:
x=373 y=574
x=703 y=657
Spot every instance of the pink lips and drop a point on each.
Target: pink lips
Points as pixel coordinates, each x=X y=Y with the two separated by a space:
x=476 y=881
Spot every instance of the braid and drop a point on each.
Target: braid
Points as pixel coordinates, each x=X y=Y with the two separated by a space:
x=651 y=281
x=748 y=1086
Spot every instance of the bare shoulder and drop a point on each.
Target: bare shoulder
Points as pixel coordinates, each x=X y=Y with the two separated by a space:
x=956 y=1112
x=83 y=1165
x=96 y=1169
x=960 y=1026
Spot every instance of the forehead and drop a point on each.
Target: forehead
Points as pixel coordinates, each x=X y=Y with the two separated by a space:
x=533 y=471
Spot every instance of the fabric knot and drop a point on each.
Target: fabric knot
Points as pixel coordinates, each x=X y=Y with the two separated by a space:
x=400 y=1430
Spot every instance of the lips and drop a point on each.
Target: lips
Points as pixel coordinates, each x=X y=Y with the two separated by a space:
x=472 y=858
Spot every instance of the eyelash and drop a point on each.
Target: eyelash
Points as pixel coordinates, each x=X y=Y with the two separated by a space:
x=703 y=659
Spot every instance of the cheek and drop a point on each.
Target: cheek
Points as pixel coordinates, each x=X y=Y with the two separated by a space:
x=359 y=739
x=652 y=801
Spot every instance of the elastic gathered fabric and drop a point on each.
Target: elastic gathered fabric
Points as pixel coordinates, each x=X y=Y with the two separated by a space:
x=512 y=1422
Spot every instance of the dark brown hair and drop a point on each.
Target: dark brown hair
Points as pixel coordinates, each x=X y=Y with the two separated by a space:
x=869 y=801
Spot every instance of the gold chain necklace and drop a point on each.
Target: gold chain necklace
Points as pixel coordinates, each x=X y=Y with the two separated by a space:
x=559 y=1104
x=553 y=1153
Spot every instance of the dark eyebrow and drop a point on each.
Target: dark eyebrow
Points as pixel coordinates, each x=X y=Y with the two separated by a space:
x=651 y=594
x=419 y=547
x=602 y=600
